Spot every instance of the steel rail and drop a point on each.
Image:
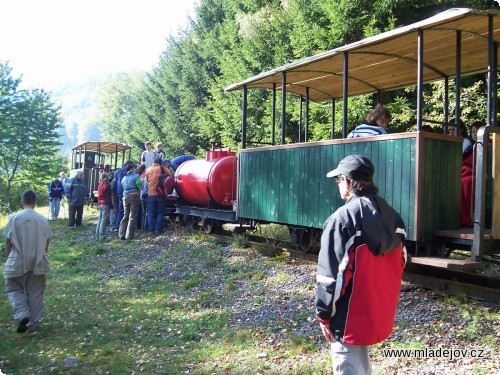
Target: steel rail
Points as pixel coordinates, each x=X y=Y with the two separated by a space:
x=454 y=282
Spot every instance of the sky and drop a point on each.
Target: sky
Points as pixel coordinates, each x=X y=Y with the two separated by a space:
x=53 y=42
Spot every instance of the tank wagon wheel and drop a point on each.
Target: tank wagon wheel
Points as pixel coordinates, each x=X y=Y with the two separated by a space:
x=305 y=239
x=210 y=225
x=189 y=221
x=310 y=240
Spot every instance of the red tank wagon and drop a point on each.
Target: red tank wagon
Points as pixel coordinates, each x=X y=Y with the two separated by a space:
x=207 y=188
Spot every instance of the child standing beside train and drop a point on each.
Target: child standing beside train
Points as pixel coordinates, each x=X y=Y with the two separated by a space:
x=104 y=204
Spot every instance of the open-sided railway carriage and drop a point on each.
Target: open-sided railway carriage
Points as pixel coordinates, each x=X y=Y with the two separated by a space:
x=94 y=157
x=418 y=173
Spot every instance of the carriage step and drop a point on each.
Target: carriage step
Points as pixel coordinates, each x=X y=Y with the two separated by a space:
x=452 y=264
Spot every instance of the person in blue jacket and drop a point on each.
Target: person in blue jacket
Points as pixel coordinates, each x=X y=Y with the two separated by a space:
x=178 y=160
x=119 y=191
x=76 y=195
x=56 y=194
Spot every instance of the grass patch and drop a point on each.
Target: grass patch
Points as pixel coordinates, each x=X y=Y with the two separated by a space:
x=152 y=307
x=240 y=241
x=282 y=277
x=301 y=344
x=193 y=281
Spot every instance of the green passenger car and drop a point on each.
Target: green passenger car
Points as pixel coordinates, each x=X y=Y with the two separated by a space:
x=417 y=173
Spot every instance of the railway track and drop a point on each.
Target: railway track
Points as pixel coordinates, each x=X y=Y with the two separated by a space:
x=450 y=281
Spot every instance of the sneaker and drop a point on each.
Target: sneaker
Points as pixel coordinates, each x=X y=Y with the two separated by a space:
x=23 y=325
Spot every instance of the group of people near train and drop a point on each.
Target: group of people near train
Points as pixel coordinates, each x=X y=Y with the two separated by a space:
x=132 y=197
x=127 y=199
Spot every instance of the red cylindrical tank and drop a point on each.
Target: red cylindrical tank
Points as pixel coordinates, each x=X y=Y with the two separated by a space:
x=198 y=181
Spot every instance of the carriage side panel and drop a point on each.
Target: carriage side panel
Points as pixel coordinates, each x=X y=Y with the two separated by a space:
x=287 y=184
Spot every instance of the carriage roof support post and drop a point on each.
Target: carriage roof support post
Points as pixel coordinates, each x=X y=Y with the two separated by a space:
x=99 y=155
x=283 y=107
x=306 y=120
x=458 y=82
x=244 y=118
x=490 y=72
x=116 y=157
x=491 y=94
x=446 y=103
x=300 y=118
x=495 y=85
x=333 y=118
x=345 y=93
x=84 y=153
x=480 y=193
x=273 y=116
x=420 y=77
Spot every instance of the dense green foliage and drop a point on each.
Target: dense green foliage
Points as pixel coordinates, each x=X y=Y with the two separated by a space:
x=29 y=124
x=182 y=102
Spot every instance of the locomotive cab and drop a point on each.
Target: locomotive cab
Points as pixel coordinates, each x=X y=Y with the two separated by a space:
x=97 y=157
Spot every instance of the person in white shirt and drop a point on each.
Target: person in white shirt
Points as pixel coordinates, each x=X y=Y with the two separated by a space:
x=27 y=237
x=148 y=155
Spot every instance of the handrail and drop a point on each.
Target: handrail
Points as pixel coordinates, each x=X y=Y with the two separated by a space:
x=480 y=191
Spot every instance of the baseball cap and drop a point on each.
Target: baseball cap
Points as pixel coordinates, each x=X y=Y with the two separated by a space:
x=356 y=167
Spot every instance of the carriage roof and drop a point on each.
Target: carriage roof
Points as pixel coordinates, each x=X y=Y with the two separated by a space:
x=389 y=60
x=102 y=147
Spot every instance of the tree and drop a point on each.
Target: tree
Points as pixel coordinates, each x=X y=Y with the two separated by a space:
x=183 y=102
x=121 y=110
x=29 y=129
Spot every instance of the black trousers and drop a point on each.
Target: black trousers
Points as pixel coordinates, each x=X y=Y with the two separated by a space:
x=78 y=212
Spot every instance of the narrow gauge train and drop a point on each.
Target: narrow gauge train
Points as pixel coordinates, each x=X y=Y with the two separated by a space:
x=93 y=157
x=418 y=173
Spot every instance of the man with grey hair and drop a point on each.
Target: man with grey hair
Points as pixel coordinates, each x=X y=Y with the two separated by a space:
x=27 y=237
x=76 y=195
x=360 y=266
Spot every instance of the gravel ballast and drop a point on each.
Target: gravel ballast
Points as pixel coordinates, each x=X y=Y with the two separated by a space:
x=274 y=300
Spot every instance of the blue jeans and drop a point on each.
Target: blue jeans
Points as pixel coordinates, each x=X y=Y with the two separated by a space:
x=155 y=212
x=119 y=214
x=103 y=220
x=54 y=205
